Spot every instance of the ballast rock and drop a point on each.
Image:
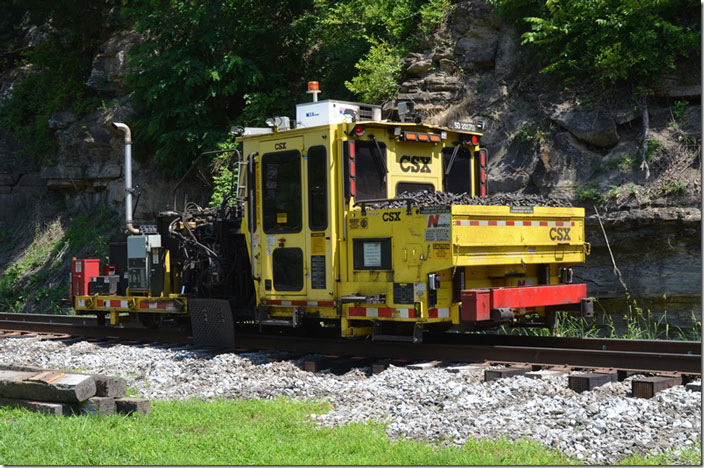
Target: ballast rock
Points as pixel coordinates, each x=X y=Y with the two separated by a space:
x=425 y=199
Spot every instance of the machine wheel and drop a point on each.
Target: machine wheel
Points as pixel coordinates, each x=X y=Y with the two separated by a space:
x=152 y=321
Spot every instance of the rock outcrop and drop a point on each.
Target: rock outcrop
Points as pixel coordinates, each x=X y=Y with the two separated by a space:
x=579 y=143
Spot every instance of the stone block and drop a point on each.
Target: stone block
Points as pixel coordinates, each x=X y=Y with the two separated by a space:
x=110 y=386
x=132 y=405
x=46 y=386
x=97 y=406
x=52 y=409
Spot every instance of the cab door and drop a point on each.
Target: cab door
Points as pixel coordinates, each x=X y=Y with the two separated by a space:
x=283 y=222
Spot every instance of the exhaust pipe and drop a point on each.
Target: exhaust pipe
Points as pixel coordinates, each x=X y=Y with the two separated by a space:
x=129 y=222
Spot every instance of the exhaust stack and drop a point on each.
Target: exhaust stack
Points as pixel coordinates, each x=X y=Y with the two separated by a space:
x=129 y=222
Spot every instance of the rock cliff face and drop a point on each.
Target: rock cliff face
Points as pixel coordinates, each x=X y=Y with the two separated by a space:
x=578 y=143
x=87 y=168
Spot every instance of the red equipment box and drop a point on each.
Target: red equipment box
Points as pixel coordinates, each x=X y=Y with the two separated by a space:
x=82 y=270
x=475 y=305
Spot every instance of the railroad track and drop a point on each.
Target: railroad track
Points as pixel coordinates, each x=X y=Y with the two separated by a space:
x=654 y=356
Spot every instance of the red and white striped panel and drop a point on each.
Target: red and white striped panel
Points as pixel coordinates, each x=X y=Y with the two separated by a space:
x=301 y=303
x=112 y=303
x=476 y=222
x=158 y=305
x=441 y=312
x=381 y=312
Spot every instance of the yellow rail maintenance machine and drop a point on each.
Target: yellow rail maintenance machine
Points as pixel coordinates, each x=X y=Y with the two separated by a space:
x=330 y=226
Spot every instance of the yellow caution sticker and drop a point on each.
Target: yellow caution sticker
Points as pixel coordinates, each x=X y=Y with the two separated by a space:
x=281 y=218
x=441 y=250
x=317 y=243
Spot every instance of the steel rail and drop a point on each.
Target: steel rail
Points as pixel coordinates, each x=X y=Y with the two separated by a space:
x=604 y=344
x=637 y=355
x=586 y=358
x=94 y=331
x=48 y=318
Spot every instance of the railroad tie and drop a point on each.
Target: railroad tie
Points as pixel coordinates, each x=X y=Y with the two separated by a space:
x=504 y=372
x=588 y=381
x=647 y=387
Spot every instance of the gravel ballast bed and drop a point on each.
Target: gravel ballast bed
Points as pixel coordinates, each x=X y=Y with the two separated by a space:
x=601 y=426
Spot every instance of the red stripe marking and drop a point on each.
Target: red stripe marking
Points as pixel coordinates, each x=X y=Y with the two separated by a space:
x=458 y=223
x=161 y=305
x=143 y=305
x=274 y=302
x=357 y=312
x=386 y=312
x=509 y=223
x=299 y=303
x=492 y=223
x=474 y=223
x=433 y=313
x=543 y=223
x=326 y=303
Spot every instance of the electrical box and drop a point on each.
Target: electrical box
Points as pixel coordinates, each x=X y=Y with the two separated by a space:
x=105 y=285
x=82 y=270
x=144 y=261
x=329 y=112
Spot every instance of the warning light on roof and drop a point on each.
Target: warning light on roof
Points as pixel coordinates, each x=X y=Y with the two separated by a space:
x=314 y=89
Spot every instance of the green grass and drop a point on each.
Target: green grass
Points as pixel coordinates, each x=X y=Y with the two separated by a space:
x=235 y=432
x=691 y=456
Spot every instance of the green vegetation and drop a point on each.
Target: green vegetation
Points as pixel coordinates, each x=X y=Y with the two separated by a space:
x=637 y=324
x=608 y=41
x=674 y=187
x=588 y=192
x=679 y=109
x=613 y=193
x=691 y=456
x=626 y=162
x=532 y=134
x=39 y=274
x=208 y=65
x=249 y=432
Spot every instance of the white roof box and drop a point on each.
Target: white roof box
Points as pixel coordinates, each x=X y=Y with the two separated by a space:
x=329 y=112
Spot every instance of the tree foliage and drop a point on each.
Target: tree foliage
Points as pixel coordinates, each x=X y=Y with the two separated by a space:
x=208 y=65
x=610 y=40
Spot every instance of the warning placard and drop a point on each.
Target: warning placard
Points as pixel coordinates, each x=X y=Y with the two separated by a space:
x=437 y=228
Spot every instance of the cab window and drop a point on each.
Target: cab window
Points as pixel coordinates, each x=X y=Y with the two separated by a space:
x=370 y=174
x=281 y=192
x=317 y=188
x=459 y=180
x=414 y=187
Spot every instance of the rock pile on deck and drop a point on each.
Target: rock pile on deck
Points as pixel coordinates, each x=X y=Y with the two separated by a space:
x=61 y=393
x=425 y=198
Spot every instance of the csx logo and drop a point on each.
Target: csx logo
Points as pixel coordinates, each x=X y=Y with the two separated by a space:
x=280 y=146
x=560 y=234
x=415 y=163
x=393 y=216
